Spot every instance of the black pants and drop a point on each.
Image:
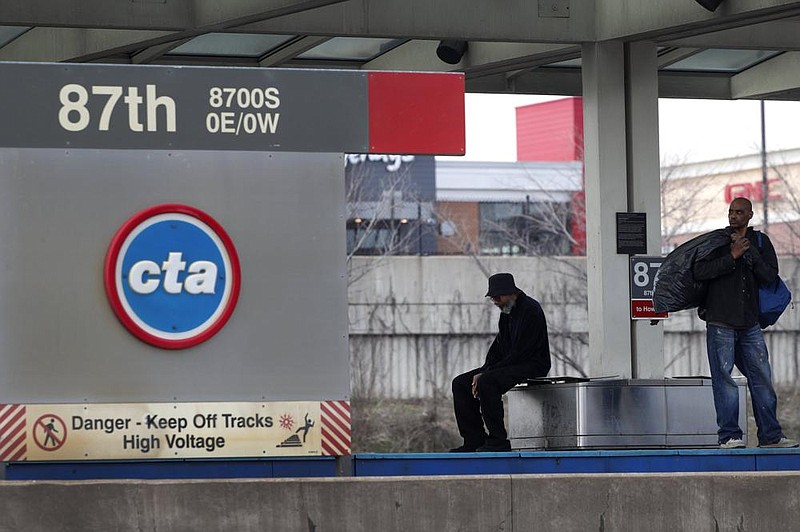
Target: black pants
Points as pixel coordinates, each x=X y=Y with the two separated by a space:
x=473 y=414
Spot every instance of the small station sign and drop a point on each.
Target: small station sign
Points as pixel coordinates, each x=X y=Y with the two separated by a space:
x=643 y=273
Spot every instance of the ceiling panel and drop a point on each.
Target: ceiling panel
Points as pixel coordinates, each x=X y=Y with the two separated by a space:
x=721 y=60
x=231 y=45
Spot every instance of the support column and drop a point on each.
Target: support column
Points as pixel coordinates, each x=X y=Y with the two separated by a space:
x=606 y=194
x=644 y=188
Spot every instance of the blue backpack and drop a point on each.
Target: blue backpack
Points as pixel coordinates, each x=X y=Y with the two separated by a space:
x=773 y=298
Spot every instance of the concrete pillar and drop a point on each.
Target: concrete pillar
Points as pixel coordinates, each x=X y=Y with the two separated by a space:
x=644 y=187
x=606 y=194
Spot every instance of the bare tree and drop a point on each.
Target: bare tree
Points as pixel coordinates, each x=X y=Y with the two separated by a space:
x=385 y=216
x=685 y=201
x=782 y=201
x=538 y=229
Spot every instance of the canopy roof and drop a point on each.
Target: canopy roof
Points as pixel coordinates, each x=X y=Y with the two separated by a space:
x=746 y=49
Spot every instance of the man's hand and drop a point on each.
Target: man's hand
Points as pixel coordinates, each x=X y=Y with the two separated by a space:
x=739 y=246
x=475 y=385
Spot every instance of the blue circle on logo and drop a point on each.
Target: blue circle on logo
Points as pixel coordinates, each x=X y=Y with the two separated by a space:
x=174 y=246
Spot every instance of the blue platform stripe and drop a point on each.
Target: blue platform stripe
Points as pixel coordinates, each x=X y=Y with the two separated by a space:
x=564 y=462
x=173 y=469
x=423 y=464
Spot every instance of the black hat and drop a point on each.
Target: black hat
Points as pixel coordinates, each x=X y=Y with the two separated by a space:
x=501 y=284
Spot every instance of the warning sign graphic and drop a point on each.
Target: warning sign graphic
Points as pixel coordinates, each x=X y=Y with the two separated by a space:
x=49 y=432
x=294 y=439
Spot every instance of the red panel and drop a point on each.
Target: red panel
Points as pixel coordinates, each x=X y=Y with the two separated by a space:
x=643 y=309
x=551 y=131
x=413 y=113
x=577 y=225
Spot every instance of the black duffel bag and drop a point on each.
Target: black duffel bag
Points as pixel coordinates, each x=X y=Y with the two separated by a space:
x=675 y=286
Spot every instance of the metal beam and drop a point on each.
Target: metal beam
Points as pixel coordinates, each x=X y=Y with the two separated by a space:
x=637 y=20
x=484 y=58
x=171 y=15
x=561 y=81
x=567 y=82
x=694 y=85
x=777 y=75
x=481 y=58
x=471 y=20
x=69 y=44
x=216 y=15
x=775 y=35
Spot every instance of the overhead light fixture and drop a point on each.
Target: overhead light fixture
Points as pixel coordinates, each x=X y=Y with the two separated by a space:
x=451 y=52
x=711 y=5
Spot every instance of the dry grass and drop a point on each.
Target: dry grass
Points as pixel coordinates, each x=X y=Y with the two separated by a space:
x=403 y=426
x=423 y=426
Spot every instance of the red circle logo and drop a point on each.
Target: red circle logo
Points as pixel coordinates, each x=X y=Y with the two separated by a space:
x=172 y=276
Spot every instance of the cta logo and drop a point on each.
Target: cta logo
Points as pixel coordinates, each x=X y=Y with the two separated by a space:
x=172 y=276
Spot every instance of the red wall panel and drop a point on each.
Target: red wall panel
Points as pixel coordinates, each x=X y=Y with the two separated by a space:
x=551 y=131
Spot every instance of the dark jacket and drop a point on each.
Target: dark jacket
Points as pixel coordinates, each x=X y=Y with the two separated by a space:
x=732 y=298
x=521 y=340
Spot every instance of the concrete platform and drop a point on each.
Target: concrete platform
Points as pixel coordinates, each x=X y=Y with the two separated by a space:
x=652 y=502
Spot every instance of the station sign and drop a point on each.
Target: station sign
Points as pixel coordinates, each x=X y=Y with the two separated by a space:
x=643 y=271
x=254 y=109
x=172 y=276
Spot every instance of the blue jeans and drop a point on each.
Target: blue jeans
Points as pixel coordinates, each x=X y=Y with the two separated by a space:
x=747 y=350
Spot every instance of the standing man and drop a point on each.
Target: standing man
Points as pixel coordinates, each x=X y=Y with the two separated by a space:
x=733 y=335
x=520 y=351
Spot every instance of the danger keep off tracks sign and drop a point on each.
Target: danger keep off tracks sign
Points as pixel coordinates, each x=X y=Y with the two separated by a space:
x=179 y=430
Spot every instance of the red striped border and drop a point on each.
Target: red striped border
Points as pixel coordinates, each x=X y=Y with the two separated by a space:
x=12 y=433
x=335 y=428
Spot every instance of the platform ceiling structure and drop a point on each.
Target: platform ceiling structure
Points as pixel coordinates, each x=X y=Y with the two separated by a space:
x=746 y=49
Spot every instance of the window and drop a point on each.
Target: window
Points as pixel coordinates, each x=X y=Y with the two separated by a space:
x=524 y=228
x=382 y=237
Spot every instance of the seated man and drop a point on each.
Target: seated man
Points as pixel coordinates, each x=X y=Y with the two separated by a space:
x=520 y=351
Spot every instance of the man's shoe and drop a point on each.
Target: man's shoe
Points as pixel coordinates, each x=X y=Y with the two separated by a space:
x=502 y=447
x=464 y=449
x=733 y=443
x=783 y=443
